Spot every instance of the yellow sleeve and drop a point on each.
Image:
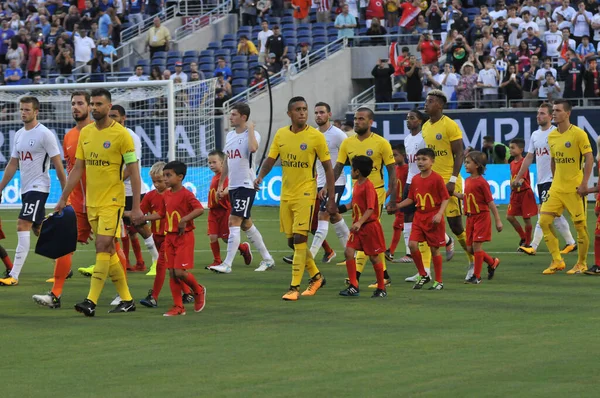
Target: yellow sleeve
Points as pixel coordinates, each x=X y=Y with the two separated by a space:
x=386 y=153
x=454 y=132
x=274 y=149
x=128 y=149
x=321 y=148
x=583 y=142
x=343 y=152
x=79 y=153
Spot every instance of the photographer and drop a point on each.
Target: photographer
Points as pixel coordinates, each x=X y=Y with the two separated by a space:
x=434 y=15
x=382 y=72
x=460 y=51
x=428 y=49
x=414 y=80
x=65 y=63
x=574 y=76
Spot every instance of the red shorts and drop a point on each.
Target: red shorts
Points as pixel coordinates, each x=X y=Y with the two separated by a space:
x=158 y=241
x=399 y=221
x=479 y=228
x=368 y=239
x=315 y=217
x=84 y=229
x=179 y=250
x=2 y=236
x=522 y=204
x=424 y=230
x=218 y=223
x=597 y=232
x=597 y=207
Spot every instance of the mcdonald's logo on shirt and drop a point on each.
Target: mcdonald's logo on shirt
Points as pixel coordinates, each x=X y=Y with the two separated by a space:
x=422 y=202
x=471 y=204
x=173 y=220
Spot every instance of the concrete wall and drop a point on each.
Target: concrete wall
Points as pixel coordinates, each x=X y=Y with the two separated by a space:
x=139 y=43
x=213 y=32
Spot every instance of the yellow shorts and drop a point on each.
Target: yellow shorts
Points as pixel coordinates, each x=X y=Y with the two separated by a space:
x=572 y=202
x=381 y=192
x=454 y=208
x=295 y=216
x=105 y=220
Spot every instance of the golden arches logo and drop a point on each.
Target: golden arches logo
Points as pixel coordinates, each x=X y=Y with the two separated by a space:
x=172 y=222
x=471 y=200
x=212 y=197
x=356 y=213
x=422 y=200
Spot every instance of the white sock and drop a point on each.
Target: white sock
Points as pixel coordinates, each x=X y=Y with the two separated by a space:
x=23 y=243
x=447 y=238
x=342 y=232
x=407 y=229
x=538 y=235
x=320 y=236
x=233 y=244
x=257 y=241
x=562 y=225
x=151 y=248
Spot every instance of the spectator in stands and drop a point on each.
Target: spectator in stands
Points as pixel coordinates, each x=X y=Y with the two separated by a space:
x=574 y=76
x=34 y=62
x=409 y=10
x=447 y=81
x=421 y=26
x=512 y=88
x=276 y=44
x=155 y=73
x=496 y=152
x=524 y=55
x=499 y=10
x=154 y=6
x=246 y=47
x=434 y=16
x=391 y=12
x=287 y=68
x=566 y=45
x=109 y=51
x=553 y=39
x=487 y=39
x=301 y=9
x=179 y=73
x=428 y=48
x=546 y=68
x=530 y=83
x=263 y=36
x=348 y=128
x=374 y=9
x=510 y=54
x=61 y=11
x=249 y=12
x=273 y=66
x=323 y=10
x=105 y=26
x=195 y=76
x=50 y=42
x=15 y=52
x=550 y=90
x=94 y=33
x=592 y=6
x=429 y=82
x=5 y=35
x=258 y=80
x=488 y=81
x=194 y=69
x=88 y=15
x=302 y=58
x=586 y=50
x=99 y=66
x=562 y=23
x=352 y=8
x=136 y=12
x=526 y=24
x=220 y=98
x=71 y=19
x=534 y=43
x=345 y=23
x=459 y=22
x=478 y=53
x=65 y=63
x=475 y=31
x=565 y=10
x=459 y=51
x=116 y=26
x=590 y=78
x=158 y=37
x=402 y=65
x=414 y=82
x=382 y=73
x=16 y=23
x=166 y=75
x=263 y=7
x=338 y=123
x=84 y=47
x=542 y=20
x=581 y=22
x=13 y=73
x=513 y=22
x=44 y=25
x=139 y=75
x=223 y=84
x=223 y=69
x=37 y=79
x=181 y=99
x=376 y=30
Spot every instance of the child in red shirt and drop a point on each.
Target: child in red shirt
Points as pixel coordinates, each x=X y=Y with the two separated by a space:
x=428 y=192
x=478 y=202
x=401 y=174
x=522 y=201
x=366 y=233
x=181 y=207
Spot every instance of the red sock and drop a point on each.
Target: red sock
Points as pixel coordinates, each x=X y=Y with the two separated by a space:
x=326 y=247
x=186 y=289
x=216 y=251
x=7 y=263
x=418 y=259
x=437 y=265
x=379 y=273
x=528 y=231
x=126 y=246
x=521 y=233
x=191 y=281
x=122 y=257
x=487 y=258
x=351 y=269
x=395 y=239
x=176 y=291
x=137 y=250
x=61 y=271
x=159 y=279
x=478 y=263
x=597 y=250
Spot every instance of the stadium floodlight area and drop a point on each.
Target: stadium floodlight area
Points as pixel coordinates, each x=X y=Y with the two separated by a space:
x=174 y=121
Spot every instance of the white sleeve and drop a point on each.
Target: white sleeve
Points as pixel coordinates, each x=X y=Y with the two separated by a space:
x=452 y=80
x=257 y=136
x=531 y=147
x=14 y=153
x=50 y=144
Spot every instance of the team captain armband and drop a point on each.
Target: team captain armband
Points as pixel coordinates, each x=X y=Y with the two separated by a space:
x=130 y=157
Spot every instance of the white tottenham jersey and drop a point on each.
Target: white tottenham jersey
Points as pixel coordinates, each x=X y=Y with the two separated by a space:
x=34 y=148
x=240 y=162
x=413 y=143
x=137 y=144
x=538 y=145
x=334 y=138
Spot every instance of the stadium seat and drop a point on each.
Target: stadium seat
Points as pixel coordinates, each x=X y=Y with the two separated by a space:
x=239 y=58
x=190 y=53
x=274 y=21
x=400 y=96
x=319 y=25
x=319 y=41
x=173 y=60
x=156 y=62
x=252 y=58
x=143 y=62
x=289 y=12
x=126 y=69
x=253 y=65
x=239 y=82
x=186 y=69
x=288 y=19
x=383 y=107
x=214 y=45
x=159 y=54
x=222 y=53
x=245 y=29
x=304 y=27
x=189 y=60
x=292 y=56
x=97 y=78
x=332 y=31
x=288 y=27
x=206 y=60
x=394 y=30
x=304 y=39
x=289 y=35
x=174 y=54
x=208 y=69
x=206 y=53
x=332 y=37
x=291 y=42
x=228 y=36
x=319 y=32
x=229 y=44
x=239 y=66
x=241 y=74
x=238 y=90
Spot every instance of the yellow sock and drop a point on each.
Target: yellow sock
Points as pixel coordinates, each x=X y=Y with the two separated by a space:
x=299 y=263
x=425 y=255
x=118 y=278
x=550 y=238
x=311 y=267
x=462 y=239
x=381 y=257
x=361 y=260
x=99 y=276
x=583 y=242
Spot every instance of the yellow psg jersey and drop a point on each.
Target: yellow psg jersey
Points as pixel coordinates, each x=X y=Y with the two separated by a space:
x=568 y=149
x=438 y=136
x=376 y=147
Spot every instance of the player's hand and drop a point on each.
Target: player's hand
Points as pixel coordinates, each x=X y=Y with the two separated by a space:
x=391 y=208
x=60 y=205
x=127 y=214
x=582 y=190
x=437 y=218
x=515 y=184
x=331 y=206
x=181 y=227
x=499 y=226
x=322 y=194
x=355 y=227
x=450 y=187
x=250 y=125
x=257 y=183
x=137 y=217
x=220 y=194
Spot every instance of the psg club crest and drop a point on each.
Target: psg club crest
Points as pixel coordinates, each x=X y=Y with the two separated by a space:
x=568 y=144
x=369 y=152
x=438 y=137
x=31 y=142
x=303 y=147
x=106 y=144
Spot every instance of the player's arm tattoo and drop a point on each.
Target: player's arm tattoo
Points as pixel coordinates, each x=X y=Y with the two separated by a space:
x=337 y=170
x=459 y=155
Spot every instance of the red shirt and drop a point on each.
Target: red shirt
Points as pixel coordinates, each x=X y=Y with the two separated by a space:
x=364 y=197
x=401 y=176
x=375 y=9
x=477 y=195
x=428 y=193
x=515 y=166
x=429 y=54
x=178 y=205
x=213 y=202
x=154 y=203
x=408 y=17
x=34 y=53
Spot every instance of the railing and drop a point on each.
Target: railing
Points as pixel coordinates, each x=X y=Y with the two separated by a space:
x=138 y=29
x=314 y=57
x=380 y=40
x=194 y=24
x=197 y=7
x=365 y=97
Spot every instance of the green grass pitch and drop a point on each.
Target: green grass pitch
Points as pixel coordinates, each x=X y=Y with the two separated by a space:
x=522 y=334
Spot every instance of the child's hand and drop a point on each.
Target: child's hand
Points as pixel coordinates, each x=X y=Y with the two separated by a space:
x=355 y=227
x=499 y=226
x=181 y=227
x=437 y=218
x=459 y=195
x=127 y=213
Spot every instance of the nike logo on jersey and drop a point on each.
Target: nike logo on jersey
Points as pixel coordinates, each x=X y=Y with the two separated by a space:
x=281 y=145
x=184 y=265
x=350 y=153
x=108 y=229
x=85 y=143
x=69 y=147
